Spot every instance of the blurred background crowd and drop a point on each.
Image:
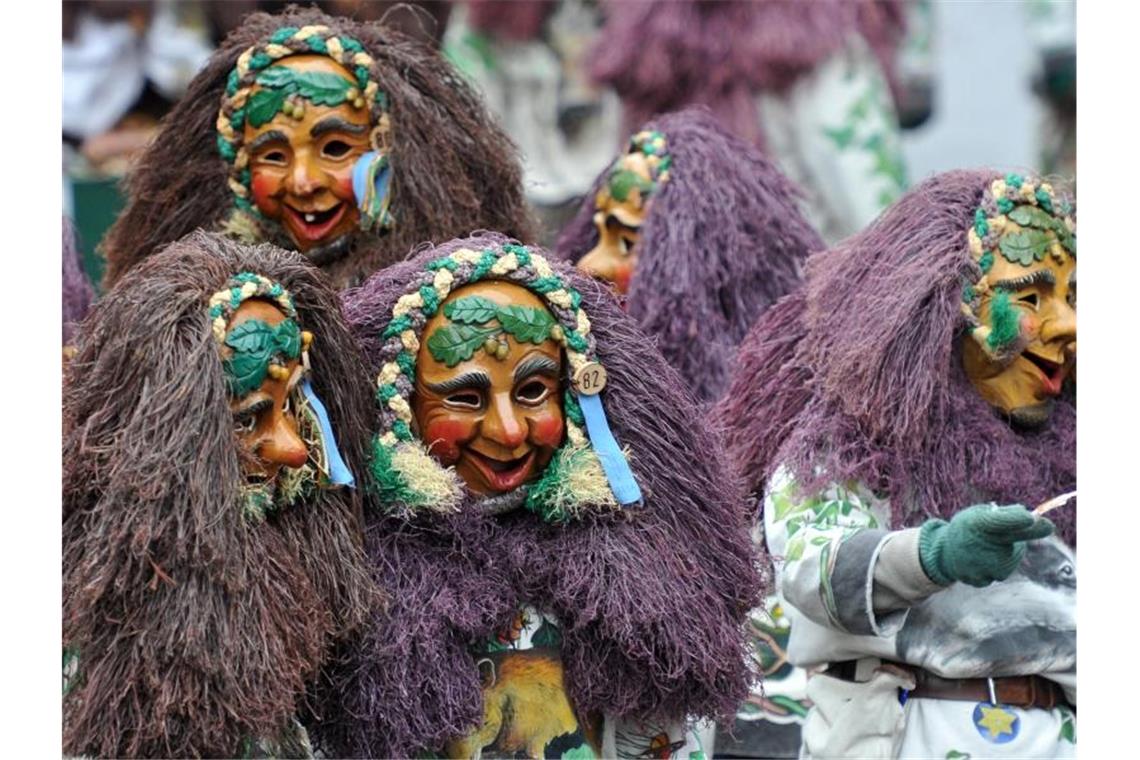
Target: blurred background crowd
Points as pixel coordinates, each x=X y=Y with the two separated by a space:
x=919 y=86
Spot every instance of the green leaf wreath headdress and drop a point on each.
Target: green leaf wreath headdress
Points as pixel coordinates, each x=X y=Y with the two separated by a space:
x=408 y=478
x=1035 y=207
x=254 y=346
x=652 y=145
x=286 y=91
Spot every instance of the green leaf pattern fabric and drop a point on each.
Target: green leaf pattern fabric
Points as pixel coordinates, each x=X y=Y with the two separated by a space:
x=807 y=531
x=835 y=133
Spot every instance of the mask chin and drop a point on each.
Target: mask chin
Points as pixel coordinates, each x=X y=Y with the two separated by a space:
x=319 y=256
x=1032 y=417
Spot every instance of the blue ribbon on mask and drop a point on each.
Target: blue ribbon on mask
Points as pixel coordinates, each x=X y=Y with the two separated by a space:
x=371 y=180
x=620 y=477
x=339 y=473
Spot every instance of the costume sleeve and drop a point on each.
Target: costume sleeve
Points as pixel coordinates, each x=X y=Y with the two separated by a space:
x=836 y=564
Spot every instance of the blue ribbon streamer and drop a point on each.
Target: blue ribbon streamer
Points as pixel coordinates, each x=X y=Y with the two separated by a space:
x=621 y=479
x=339 y=473
x=371 y=187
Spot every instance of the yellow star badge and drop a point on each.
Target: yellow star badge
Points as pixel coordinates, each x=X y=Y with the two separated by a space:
x=997 y=720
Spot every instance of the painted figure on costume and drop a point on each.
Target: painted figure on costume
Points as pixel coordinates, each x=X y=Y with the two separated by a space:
x=545 y=482
x=809 y=83
x=952 y=627
x=212 y=540
x=340 y=139
x=700 y=232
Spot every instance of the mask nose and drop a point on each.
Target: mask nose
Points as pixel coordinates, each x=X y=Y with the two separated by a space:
x=283 y=446
x=1061 y=326
x=502 y=425
x=303 y=177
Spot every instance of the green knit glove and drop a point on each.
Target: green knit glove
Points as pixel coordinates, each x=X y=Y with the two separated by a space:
x=979 y=545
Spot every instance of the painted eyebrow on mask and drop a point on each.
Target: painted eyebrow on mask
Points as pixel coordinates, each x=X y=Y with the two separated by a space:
x=1042 y=276
x=536 y=365
x=474 y=380
x=252 y=404
x=273 y=135
x=336 y=124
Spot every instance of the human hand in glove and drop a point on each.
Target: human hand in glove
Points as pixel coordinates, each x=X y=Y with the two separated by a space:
x=979 y=545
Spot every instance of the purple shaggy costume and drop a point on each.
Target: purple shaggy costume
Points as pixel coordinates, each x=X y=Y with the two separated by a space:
x=651 y=598
x=860 y=373
x=77 y=292
x=662 y=56
x=722 y=241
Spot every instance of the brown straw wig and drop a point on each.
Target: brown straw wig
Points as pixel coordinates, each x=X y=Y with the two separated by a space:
x=197 y=631
x=454 y=170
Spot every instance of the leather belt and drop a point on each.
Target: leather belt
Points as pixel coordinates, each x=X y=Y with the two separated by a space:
x=1017 y=691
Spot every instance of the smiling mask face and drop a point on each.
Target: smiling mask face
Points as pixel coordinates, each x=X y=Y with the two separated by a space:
x=488 y=386
x=301 y=160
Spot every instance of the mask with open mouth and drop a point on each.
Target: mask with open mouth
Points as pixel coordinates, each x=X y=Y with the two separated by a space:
x=1023 y=309
x=300 y=112
x=488 y=386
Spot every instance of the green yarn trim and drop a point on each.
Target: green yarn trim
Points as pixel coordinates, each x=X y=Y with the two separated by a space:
x=981 y=226
x=571 y=409
x=444 y=263
x=1005 y=321
x=545 y=496
x=388 y=483
x=986 y=262
x=396 y=326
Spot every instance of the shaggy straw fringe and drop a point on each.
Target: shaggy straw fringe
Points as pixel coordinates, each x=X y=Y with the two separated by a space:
x=652 y=600
x=666 y=55
x=195 y=630
x=454 y=170
x=77 y=291
x=723 y=240
x=883 y=398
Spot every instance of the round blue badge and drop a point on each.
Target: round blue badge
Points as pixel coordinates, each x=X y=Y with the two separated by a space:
x=997 y=724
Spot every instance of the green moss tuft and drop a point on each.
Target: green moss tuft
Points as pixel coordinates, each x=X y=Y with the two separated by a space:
x=1005 y=321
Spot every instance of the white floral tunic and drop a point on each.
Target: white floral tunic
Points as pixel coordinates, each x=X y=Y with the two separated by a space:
x=854 y=590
